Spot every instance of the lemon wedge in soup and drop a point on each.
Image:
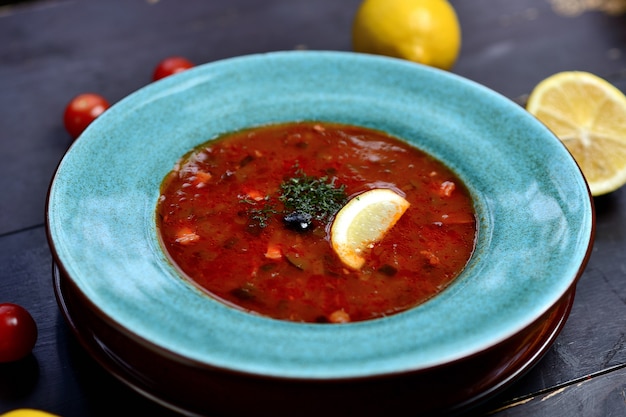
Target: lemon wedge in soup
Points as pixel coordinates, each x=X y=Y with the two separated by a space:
x=363 y=221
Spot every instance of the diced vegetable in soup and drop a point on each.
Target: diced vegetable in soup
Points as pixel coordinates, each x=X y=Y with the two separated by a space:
x=247 y=217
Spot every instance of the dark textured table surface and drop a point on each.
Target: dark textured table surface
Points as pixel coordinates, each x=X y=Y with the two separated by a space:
x=52 y=50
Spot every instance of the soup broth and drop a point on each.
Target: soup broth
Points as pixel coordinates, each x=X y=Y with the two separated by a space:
x=226 y=220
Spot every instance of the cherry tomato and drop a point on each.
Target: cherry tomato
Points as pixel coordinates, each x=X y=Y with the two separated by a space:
x=82 y=110
x=171 y=65
x=18 y=332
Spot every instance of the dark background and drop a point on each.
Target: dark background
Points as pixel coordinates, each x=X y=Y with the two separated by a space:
x=52 y=50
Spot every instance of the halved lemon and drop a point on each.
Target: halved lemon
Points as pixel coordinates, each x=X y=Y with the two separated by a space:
x=588 y=114
x=363 y=221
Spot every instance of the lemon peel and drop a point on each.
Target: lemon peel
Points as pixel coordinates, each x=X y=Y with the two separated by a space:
x=27 y=412
x=423 y=31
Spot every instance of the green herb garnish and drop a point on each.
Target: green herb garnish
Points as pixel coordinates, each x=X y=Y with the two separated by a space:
x=306 y=199
x=318 y=198
x=259 y=213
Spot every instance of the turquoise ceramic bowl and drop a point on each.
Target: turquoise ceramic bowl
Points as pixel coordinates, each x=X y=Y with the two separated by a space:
x=534 y=208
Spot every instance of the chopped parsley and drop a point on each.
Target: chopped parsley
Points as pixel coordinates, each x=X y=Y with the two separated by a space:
x=307 y=199
x=259 y=216
x=310 y=197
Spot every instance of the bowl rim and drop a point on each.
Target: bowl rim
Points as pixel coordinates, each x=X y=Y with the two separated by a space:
x=299 y=350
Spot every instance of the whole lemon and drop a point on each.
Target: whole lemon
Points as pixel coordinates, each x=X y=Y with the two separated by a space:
x=423 y=31
x=27 y=412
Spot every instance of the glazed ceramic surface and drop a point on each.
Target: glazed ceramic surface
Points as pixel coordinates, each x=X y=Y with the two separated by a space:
x=534 y=210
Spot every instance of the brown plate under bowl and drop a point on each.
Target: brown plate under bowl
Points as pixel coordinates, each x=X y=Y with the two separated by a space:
x=196 y=389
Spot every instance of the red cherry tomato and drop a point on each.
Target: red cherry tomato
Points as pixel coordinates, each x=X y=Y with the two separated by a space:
x=18 y=332
x=82 y=110
x=171 y=65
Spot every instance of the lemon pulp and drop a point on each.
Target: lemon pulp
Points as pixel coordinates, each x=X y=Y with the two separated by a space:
x=588 y=114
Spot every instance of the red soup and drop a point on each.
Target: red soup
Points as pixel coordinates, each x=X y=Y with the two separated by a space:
x=247 y=218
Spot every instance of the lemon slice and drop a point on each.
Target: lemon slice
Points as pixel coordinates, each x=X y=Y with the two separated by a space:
x=588 y=114
x=363 y=221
